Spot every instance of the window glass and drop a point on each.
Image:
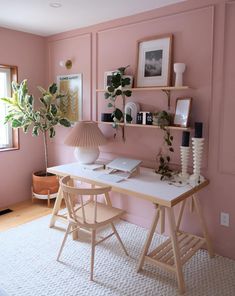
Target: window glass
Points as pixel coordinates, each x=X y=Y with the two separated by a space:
x=5 y=91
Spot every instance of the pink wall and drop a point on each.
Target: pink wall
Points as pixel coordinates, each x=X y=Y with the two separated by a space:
x=199 y=41
x=204 y=41
x=28 y=53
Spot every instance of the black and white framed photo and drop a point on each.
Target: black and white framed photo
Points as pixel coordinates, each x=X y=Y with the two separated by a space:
x=154 y=61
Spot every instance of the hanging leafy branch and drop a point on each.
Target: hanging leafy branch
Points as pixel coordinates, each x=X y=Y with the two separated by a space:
x=164 y=169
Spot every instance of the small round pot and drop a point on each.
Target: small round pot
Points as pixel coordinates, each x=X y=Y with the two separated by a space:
x=43 y=184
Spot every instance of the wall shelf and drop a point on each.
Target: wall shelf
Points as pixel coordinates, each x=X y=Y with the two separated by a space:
x=161 y=88
x=145 y=126
x=166 y=89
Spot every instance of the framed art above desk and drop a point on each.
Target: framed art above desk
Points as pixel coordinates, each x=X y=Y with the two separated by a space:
x=181 y=246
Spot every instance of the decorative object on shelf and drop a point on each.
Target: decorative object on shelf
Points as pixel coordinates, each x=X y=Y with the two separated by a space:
x=144 y=115
x=163 y=158
x=161 y=119
x=23 y=114
x=86 y=137
x=149 y=118
x=108 y=79
x=154 y=61
x=197 y=145
x=117 y=88
x=67 y=64
x=139 y=118
x=184 y=152
x=131 y=109
x=106 y=117
x=179 y=69
x=182 y=111
x=71 y=103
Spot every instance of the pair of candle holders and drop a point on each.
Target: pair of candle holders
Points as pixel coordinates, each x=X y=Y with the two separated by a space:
x=197 y=147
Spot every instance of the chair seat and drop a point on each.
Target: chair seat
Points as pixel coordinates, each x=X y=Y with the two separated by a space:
x=105 y=214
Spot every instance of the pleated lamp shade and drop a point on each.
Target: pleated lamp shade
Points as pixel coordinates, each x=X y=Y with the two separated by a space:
x=86 y=137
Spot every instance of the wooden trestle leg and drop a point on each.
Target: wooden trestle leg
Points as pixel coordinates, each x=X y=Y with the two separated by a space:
x=176 y=251
x=203 y=225
x=149 y=239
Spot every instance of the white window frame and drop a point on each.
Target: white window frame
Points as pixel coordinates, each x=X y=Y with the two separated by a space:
x=6 y=141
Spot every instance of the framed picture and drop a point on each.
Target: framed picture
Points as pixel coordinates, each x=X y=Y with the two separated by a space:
x=108 y=78
x=182 y=111
x=154 y=61
x=71 y=105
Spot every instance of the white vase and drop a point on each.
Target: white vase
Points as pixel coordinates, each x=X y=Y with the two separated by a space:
x=179 y=69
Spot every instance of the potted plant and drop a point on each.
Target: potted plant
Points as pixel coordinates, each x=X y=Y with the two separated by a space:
x=24 y=114
x=118 y=88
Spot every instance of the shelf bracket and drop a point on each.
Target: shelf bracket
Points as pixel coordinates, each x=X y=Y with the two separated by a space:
x=168 y=94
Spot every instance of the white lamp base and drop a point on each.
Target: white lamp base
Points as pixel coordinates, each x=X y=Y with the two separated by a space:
x=86 y=155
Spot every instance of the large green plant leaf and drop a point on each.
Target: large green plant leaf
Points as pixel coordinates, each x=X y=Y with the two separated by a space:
x=53 y=88
x=118 y=114
x=65 y=122
x=17 y=122
x=53 y=109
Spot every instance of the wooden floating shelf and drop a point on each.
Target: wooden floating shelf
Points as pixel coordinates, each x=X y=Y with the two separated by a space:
x=146 y=126
x=163 y=88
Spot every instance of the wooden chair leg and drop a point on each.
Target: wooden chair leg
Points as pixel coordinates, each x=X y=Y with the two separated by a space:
x=93 y=237
x=56 y=208
x=118 y=237
x=203 y=226
x=176 y=251
x=64 y=240
x=149 y=239
x=48 y=199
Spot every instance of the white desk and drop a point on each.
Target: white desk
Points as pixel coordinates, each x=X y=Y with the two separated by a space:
x=181 y=246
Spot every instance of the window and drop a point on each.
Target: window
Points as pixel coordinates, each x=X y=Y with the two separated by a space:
x=8 y=137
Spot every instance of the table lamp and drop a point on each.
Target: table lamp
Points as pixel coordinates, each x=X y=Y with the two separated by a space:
x=86 y=137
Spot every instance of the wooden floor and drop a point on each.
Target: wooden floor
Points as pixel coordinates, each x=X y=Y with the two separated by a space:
x=24 y=212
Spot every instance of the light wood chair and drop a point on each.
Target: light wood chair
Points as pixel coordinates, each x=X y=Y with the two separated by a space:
x=89 y=214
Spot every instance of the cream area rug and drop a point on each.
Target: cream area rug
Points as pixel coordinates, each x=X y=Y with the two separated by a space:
x=28 y=266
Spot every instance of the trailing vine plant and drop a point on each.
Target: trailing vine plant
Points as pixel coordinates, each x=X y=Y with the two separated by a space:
x=115 y=89
x=164 y=119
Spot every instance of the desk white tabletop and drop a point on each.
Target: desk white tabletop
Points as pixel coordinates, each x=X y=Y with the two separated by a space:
x=147 y=185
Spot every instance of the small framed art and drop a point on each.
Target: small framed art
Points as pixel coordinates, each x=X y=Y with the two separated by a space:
x=108 y=78
x=182 y=111
x=154 y=61
x=71 y=104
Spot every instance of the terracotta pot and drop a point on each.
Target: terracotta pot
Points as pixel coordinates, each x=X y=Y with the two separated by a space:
x=43 y=183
